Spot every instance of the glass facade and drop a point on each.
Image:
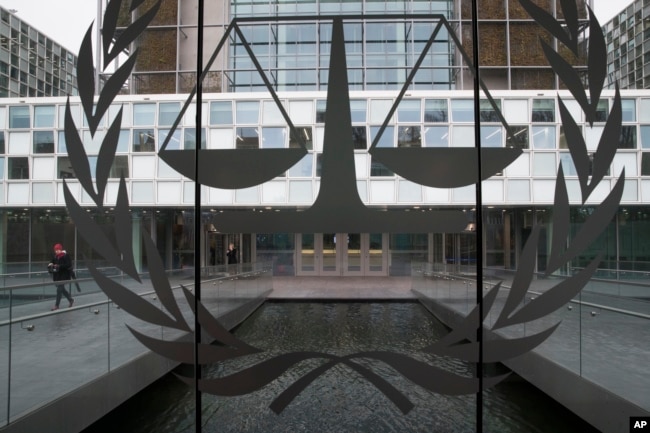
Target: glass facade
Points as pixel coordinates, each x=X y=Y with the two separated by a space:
x=31 y=64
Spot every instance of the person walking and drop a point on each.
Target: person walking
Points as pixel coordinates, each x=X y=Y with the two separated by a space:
x=61 y=269
x=232 y=254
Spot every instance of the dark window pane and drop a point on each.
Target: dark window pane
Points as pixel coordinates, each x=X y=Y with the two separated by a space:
x=628 y=137
x=19 y=168
x=43 y=141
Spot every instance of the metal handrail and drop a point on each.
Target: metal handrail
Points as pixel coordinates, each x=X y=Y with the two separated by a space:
x=108 y=301
x=588 y=304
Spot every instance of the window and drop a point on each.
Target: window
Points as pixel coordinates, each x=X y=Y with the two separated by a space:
x=408 y=110
x=18 y=167
x=273 y=138
x=19 y=117
x=518 y=137
x=248 y=112
x=221 y=113
x=189 y=138
x=487 y=111
x=377 y=169
x=2 y=142
x=436 y=136
x=645 y=164
x=44 y=116
x=409 y=136
x=168 y=112
x=543 y=137
x=247 y=138
x=357 y=110
x=629 y=110
x=144 y=140
x=144 y=114
x=628 y=137
x=462 y=110
x=491 y=136
x=435 y=110
x=174 y=141
x=307 y=138
x=387 y=138
x=359 y=137
x=320 y=111
x=543 y=110
x=43 y=142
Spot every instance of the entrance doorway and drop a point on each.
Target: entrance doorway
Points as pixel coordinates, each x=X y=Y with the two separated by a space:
x=342 y=254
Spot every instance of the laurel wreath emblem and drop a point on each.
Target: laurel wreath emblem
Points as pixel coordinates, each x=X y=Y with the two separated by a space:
x=460 y=343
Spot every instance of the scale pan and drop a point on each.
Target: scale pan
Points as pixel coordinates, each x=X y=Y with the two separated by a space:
x=232 y=168
x=444 y=167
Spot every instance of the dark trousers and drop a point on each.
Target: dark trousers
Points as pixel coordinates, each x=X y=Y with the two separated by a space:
x=61 y=291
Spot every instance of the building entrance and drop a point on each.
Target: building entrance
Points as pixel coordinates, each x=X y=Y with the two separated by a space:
x=342 y=254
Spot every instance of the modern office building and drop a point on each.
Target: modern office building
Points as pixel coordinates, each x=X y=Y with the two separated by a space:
x=381 y=50
x=628 y=47
x=31 y=63
x=294 y=57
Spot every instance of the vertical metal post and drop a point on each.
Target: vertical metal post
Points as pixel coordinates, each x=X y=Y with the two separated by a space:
x=479 y=217
x=98 y=45
x=197 y=219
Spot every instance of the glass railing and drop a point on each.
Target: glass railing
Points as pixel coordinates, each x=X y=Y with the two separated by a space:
x=601 y=337
x=45 y=354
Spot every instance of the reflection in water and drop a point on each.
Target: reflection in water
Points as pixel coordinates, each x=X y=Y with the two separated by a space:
x=340 y=400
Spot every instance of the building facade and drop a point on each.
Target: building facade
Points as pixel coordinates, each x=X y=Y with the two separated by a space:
x=628 y=47
x=32 y=64
x=34 y=169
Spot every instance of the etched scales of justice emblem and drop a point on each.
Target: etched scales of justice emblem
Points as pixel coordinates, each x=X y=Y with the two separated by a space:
x=338 y=207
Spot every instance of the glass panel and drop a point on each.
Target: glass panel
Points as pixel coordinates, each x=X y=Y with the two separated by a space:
x=543 y=110
x=2 y=142
x=543 y=137
x=174 y=141
x=375 y=252
x=463 y=136
x=144 y=140
x=462 y=110
x=628 y=137
x=329 y=252
x=307 y=137
x=43 y=142
x=189 y=138
x=304 y=167
x=645 y=164
x=408 y=110
x=358 y=111
x=519 y=137
x=248 y=112
x=273 y=138
x=359 y=138
x=168 y=112
x=645 y=136
x=18 y=168
x=409 y=136
x=221 y=113
x=320 y=111
x=247 y=138
x=387 y=139
x=491 y=136
x=19 y=117
x=144 y=114
x=271 y=114
x=353 y=252
x=435 y=110
x=436 y=136
x=487 y=111
x=307 y=256
x=44 y=116
x=629 y=110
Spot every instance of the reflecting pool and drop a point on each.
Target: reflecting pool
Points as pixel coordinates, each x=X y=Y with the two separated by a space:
x=340 y=400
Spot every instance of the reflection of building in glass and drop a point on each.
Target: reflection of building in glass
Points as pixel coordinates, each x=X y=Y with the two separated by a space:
x=380 y=52
x=628 y=47
x=31 y=64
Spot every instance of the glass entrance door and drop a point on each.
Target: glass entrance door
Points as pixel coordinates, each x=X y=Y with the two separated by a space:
x=342 y=254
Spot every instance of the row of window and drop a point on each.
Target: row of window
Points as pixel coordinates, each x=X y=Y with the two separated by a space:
x=536 y=137
x=266 y=112
x=537 y=165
